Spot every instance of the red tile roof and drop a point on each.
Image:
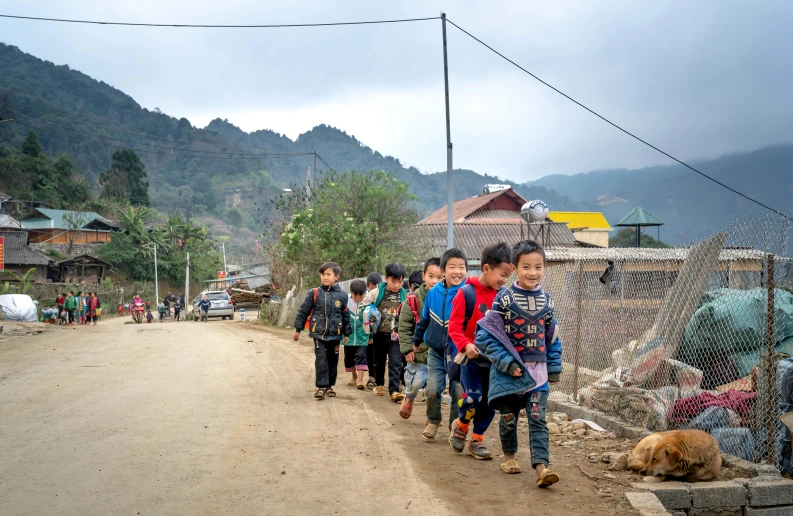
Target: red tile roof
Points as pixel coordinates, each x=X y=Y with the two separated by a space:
x=465 y=207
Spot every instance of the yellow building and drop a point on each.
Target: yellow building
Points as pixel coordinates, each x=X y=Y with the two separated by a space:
x=590 y=227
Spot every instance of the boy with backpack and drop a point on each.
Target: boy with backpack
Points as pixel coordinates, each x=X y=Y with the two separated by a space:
x=409 y=316
x=355 y=345
x=372 y=280
x=470 y=304
x=387 y=298
x=432 y=329
x=324 y=314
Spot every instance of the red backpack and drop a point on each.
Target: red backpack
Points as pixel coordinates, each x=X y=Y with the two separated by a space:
x=413 y=302
x=308 y=321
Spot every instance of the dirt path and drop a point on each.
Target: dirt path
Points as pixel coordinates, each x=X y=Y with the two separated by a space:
x=218 y=418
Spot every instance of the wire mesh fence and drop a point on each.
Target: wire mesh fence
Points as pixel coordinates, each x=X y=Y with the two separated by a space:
x=698 y=336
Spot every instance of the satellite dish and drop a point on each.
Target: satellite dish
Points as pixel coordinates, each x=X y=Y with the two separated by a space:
x=534 y=211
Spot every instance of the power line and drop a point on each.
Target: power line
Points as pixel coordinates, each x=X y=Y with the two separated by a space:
x=568 y=97
x=213 y=26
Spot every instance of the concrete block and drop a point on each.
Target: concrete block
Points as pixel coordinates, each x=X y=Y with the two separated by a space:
x=716 y=511
x=646 y=504
x=633 y=432
x=673 y=495
x=765 y=493
x=718 y=494
x=786 y=510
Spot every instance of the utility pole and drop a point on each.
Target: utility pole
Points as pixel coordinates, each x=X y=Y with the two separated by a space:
x=187 y=285
x=315 y=168
x=223 y=246
x=308 y=180
x=156 y=282
x=449 y=199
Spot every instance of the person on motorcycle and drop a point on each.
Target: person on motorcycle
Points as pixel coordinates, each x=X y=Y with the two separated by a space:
x=204 y=305
x=137 y=308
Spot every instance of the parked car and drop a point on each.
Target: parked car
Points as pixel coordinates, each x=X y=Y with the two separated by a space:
x=221 y=304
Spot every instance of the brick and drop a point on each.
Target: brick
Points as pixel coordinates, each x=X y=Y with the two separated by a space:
x=765 y=493
x=716 y=511
x=646 y=504
x=673 y=495
x=787 y=510
x=718 y=494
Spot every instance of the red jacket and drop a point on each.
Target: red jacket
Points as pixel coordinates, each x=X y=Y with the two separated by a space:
x=484 y=300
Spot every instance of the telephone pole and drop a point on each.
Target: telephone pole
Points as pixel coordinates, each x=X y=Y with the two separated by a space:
x=449 y=197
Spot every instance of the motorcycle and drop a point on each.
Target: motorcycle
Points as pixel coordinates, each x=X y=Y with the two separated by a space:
x=138 y=314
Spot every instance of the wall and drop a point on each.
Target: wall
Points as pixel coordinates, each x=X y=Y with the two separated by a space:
x=38 y=277
x=63 y=249
x=58 y=236
x=599 y=238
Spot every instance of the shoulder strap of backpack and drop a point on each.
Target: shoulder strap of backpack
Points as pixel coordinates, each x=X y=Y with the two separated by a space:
x=413 y=302
x=469 y=296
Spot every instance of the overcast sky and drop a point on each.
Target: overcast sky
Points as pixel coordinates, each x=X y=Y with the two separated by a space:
x=698 y=78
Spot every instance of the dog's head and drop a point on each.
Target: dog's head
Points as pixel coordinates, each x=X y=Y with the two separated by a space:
x=665 y=460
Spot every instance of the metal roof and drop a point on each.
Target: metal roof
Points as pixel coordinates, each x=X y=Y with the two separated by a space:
x=9 y=222
x=45 y=218
x=17 y=252
x=581 y=219
x=465 y=207
x=641 y=254
x=639 y=217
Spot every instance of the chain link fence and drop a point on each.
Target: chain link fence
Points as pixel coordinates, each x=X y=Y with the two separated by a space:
x=698 y=336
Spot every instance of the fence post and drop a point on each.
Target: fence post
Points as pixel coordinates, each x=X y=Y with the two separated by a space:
x=771 y=417
x=577 y=342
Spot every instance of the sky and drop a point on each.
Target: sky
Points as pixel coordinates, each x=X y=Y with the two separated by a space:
x=696 y=78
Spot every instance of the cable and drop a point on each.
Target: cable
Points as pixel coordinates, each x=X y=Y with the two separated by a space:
x=207 y=26
x=326 y=163
x=568 y=97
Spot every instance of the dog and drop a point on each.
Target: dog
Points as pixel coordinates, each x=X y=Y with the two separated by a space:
x=640 y=455
x=689 y=455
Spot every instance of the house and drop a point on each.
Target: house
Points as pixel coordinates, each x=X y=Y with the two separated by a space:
x=19 y=258
x=82 y=269
x=9 y=223
x=51 y=226
x=590 y=227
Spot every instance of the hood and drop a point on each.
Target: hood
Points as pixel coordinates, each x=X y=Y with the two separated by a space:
x=493 y=324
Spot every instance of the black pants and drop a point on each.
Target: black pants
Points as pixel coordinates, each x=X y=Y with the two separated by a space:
x=370 y=360
x=70 y=316
x=326 y=362
x=355 y=358
x=384 y=348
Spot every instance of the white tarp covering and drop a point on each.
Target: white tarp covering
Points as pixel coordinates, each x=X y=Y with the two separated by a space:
x=18 y=307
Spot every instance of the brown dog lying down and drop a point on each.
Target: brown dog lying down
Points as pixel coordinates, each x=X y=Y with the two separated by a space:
x=690 y=455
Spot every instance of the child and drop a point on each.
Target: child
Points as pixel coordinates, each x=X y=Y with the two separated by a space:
x=325 y=310
x=355 y=345
x=519 y=336
x=161 y=309
x=469 y=305
x=409 y=315
x=71 y=306
x=388 y=297
x=372 y=280
x=149 y=317
x=177 y=309
x=80 y=307
x=432 y=330
x=50 y=314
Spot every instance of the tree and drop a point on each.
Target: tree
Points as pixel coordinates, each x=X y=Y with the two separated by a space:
x=31 y=146
x=24 y=280
x=126 y=179
x=234 y=218
x=74 y=221
x=626 y=237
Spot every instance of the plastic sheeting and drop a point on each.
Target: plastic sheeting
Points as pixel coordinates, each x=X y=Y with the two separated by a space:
x=18 y=307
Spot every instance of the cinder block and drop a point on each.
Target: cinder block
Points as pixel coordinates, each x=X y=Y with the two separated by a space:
x=673 y=495
x=646 y=504
x=786 y=510
x=716 y=511
x=718 y=494
x=765 y=493
x=632 y=432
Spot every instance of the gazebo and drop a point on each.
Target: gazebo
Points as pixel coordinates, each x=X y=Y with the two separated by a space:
x=639 y=218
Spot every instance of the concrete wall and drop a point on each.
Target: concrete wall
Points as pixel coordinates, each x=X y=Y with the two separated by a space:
x=599 y=238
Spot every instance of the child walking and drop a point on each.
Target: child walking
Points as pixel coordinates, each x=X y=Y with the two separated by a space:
x=468 y=307
x=325 y=311
x=519 y=336
x=432 y=329
x=409 y=316
x=388 y=297
x=372 y=280
x=355 y=345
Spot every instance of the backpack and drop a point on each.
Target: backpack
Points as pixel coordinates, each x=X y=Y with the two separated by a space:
x=371 y=319
x=452 y=367
x=413 y=303
x=310 y=315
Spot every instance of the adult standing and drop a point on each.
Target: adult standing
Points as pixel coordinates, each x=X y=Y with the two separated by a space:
x=98 y=307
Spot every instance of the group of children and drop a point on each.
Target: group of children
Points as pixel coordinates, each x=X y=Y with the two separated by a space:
x=495 y=347
x=70 y=309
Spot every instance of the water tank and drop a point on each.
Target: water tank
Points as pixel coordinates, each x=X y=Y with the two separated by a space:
x=534 y=211
x=495 y=188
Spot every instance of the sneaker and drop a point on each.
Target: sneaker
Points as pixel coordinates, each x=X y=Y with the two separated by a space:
x=320 y=394
x=379 y=390
x=396 y=397
x=457 y=438
x=478 y=450
x=429 y=432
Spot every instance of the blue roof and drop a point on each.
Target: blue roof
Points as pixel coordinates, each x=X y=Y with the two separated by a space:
x=45 y=218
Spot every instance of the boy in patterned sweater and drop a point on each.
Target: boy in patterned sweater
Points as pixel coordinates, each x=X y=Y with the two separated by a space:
x=519 y=336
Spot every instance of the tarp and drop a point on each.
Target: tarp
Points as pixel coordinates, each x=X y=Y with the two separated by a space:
x=18 y=307
x=726 y=335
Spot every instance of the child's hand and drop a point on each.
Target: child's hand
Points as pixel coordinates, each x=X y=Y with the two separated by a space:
x=471 y=351
x=371 y=341
x=346 y=340
x=296 y=336
x=410 y=357
x=517 y=372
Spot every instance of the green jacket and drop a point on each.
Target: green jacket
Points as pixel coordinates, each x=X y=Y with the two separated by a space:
x=374 y=296
x=358 y=337
x=70 y=303
x=407 y=326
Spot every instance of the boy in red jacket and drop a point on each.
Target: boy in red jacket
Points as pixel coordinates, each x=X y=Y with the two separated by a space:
x=475 y=373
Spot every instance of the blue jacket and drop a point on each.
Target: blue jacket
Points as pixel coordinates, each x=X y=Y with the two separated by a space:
x=433 y=327
x=493 y=341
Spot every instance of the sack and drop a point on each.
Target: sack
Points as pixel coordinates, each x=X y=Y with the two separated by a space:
x=452 y=365
x=308 y=321
x=99 y=312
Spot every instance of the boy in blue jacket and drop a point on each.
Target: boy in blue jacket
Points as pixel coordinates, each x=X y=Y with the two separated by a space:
x=519 y=336
x=433 y=330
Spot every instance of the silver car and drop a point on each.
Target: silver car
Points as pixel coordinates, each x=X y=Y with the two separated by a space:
x=221 y=304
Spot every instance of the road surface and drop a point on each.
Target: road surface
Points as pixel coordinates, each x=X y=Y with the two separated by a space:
x=218 y=418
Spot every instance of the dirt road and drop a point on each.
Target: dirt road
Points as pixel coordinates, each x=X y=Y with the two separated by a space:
x=218 y=418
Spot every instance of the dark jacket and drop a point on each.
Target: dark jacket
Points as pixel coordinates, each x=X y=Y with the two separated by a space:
x=330 y=319
x=433 y=326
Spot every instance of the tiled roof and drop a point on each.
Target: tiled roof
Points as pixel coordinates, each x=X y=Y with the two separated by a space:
x=45 y=218
x=581 y=219
x=639 y=217
x=465 y=207
x=17 y=252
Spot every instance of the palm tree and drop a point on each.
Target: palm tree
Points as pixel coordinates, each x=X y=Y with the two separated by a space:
x=190 y=232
